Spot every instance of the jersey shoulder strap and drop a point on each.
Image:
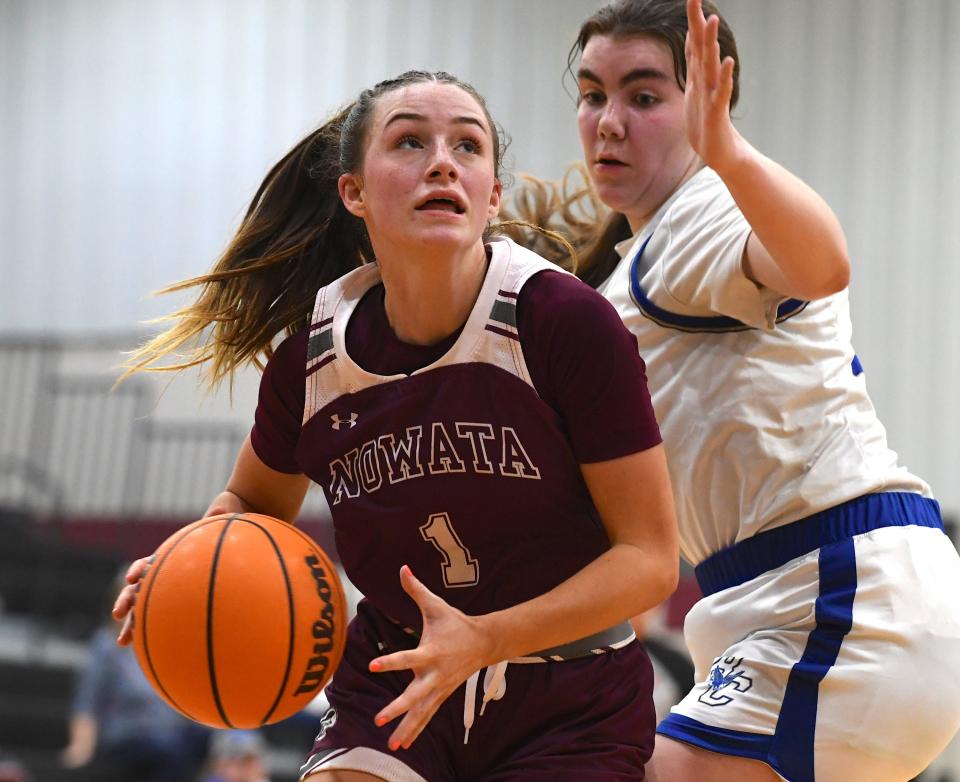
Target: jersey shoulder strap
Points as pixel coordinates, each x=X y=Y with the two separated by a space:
x=326 y=379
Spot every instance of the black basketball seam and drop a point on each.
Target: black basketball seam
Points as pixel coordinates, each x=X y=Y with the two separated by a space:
x=290 y=603
x=144 y=614
x=338 y=595
x=211 y=665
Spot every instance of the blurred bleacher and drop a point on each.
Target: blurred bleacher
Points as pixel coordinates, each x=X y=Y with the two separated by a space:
x=91 y=478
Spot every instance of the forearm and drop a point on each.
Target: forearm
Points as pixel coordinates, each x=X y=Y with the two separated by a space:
x=83 y=740
x=803 y=251
x=228 y=501
x=255 y=488
x=624 y=581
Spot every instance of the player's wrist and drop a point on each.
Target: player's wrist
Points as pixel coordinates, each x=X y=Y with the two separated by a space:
x=493 y=638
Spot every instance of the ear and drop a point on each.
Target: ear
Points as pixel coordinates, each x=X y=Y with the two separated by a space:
x=494 y=209
x=351 y=193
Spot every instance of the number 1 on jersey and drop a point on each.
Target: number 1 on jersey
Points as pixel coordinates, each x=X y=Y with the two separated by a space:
x=459 y=568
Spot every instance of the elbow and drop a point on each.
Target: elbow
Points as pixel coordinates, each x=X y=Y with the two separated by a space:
x=839 y=277
x=832 y=277
x=661 y=576
x=669 y=579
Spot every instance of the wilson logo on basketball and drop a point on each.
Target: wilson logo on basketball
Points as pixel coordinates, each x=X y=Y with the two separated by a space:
x=324 y=631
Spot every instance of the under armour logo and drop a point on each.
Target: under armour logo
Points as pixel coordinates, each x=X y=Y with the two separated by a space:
x=725 y=679
x=351 y=421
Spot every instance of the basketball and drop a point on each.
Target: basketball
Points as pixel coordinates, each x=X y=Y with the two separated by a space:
x=239 y=621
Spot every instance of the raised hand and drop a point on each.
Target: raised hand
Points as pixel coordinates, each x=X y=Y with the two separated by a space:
x=710 y=130
x=452 y=647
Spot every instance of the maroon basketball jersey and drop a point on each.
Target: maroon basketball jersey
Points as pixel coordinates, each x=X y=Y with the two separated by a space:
x=458 y=469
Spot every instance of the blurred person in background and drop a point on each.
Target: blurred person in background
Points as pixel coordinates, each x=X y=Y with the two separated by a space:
x=12 y=770
x=120 y=729
x=237 y=756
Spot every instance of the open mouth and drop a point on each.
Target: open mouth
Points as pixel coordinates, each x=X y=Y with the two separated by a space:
x=442 y=204
x=610 y=161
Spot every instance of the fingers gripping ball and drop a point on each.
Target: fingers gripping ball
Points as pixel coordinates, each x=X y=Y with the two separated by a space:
x=239 y=621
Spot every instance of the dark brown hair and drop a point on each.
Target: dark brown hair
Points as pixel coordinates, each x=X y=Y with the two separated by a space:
x=665 y=20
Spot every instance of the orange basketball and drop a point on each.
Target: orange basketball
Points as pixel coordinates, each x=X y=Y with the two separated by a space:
x=240 y=620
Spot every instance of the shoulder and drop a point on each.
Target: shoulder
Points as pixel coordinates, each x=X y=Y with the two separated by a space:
x=702 y=199
x=554 y=295
x=292 y=351
x=285 y=373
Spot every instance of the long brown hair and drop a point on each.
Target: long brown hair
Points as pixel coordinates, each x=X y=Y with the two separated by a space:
x=296 y=237
x=563 y=205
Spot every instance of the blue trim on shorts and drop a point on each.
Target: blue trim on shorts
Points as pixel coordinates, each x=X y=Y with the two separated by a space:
x=750 y=558
x=790 y=751
x=727 y=742
x=793 y=749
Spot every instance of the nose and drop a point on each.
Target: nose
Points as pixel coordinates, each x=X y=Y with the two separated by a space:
x=612 y=122
x=443 y=166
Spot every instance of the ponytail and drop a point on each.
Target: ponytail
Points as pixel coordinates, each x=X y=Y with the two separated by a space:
x=296 y=237
x=573 y=227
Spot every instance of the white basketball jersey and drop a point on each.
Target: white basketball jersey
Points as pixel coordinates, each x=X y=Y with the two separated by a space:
x=761 y=401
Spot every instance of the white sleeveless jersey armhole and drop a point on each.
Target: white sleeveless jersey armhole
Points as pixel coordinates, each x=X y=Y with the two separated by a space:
x=489 y=335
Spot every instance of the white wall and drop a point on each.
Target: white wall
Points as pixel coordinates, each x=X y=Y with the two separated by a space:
x=134 y=133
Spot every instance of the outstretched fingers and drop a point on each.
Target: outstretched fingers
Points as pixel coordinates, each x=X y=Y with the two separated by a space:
x=696 y=24
x=725 y=88
x=709 y=88
x=702 y=49
x=416 y=705
x=426 y=601
x=450 y=649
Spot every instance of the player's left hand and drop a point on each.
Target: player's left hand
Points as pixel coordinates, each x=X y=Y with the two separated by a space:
x=709 y=86
x=452 y=647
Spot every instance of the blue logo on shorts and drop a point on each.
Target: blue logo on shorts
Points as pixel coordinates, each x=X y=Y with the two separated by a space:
x=724 y=680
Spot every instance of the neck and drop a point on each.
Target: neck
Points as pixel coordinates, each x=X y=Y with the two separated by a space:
x=638 y=221
x=428 y=297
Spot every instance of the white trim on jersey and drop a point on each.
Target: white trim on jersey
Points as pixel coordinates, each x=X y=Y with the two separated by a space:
x=489 y=336
x=361 y=759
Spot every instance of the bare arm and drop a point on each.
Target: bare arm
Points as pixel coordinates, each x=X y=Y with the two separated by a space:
x=256 y=488
x=640 y=569
x=83 y=741
x=253 y=487
x=797 y=246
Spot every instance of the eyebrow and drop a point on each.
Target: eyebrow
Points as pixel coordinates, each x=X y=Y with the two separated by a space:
x=421 y=118
x=635 y=75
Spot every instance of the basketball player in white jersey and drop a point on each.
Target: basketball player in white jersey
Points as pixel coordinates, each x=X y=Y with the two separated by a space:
x=827 y=643
x=449 y=399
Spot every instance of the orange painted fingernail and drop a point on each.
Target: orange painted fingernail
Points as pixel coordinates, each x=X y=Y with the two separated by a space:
x=375 y=665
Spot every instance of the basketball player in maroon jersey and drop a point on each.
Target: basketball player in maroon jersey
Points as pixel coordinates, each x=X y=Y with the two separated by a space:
x=451 y=401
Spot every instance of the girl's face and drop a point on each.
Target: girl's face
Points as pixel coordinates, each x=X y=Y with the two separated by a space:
x=631 y=122
x=428 y=174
